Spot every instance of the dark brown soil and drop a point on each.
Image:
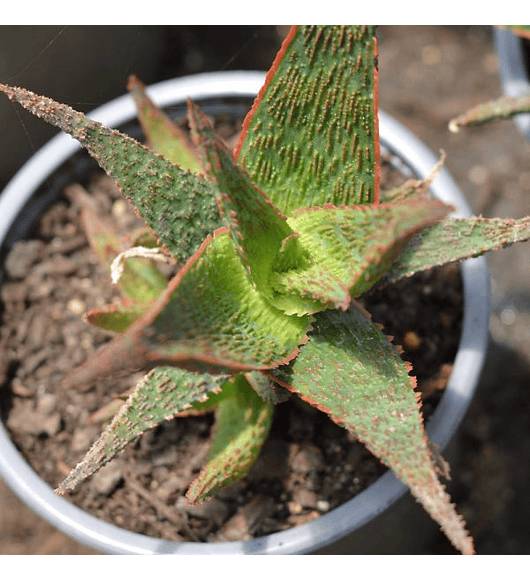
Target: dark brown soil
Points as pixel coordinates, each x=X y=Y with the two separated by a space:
x=308 y=466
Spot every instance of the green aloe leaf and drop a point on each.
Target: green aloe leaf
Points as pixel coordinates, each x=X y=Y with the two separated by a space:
x=210 y=319
x=206 y=404
x=243 y=301
x=141 y=281
x=259 y=231
x=266 y=388
x=351 y=371
x=158 y=397
x=352 y=247
x=163 y=135
x=178 y=205
x=117 y=317
x=209 y=404
x=242 y=423
x=457 y=239
x=141 y=236
x=101 y=236
x=212 y=313
x=311 y=137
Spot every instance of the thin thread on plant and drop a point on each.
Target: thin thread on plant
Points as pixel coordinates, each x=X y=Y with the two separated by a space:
x=13 y=77
x=134 y=52
x=240 y=50
x=41 y=52
x=91 y=104
x=25 y=129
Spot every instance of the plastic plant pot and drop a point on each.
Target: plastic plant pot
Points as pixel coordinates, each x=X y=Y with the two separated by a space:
x=359 y=525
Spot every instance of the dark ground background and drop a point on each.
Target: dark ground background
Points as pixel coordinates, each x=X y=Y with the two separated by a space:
x=428 y=74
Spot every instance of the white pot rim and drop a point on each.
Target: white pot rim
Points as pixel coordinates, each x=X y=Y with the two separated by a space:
x=353 y=514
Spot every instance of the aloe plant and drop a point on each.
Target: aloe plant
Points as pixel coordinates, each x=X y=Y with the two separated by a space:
x=274 y=244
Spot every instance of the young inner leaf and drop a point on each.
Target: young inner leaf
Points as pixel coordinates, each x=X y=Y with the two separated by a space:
x=260 y=233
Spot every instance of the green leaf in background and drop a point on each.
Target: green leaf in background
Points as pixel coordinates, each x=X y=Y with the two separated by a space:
x=502 y=108
x=117 y=317
x=141 y=281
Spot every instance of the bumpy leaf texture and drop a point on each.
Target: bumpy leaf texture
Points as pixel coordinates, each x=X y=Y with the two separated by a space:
x=368 y=390
x=242 y=423
x=154 y=185
x=159 y=396
x=312 y=136
x=457 y=239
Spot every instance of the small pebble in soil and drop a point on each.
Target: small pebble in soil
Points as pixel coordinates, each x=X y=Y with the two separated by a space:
x=105 y=481
x=76 y=306
x=22 y=257
x=323 y=505
x=411 y=340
